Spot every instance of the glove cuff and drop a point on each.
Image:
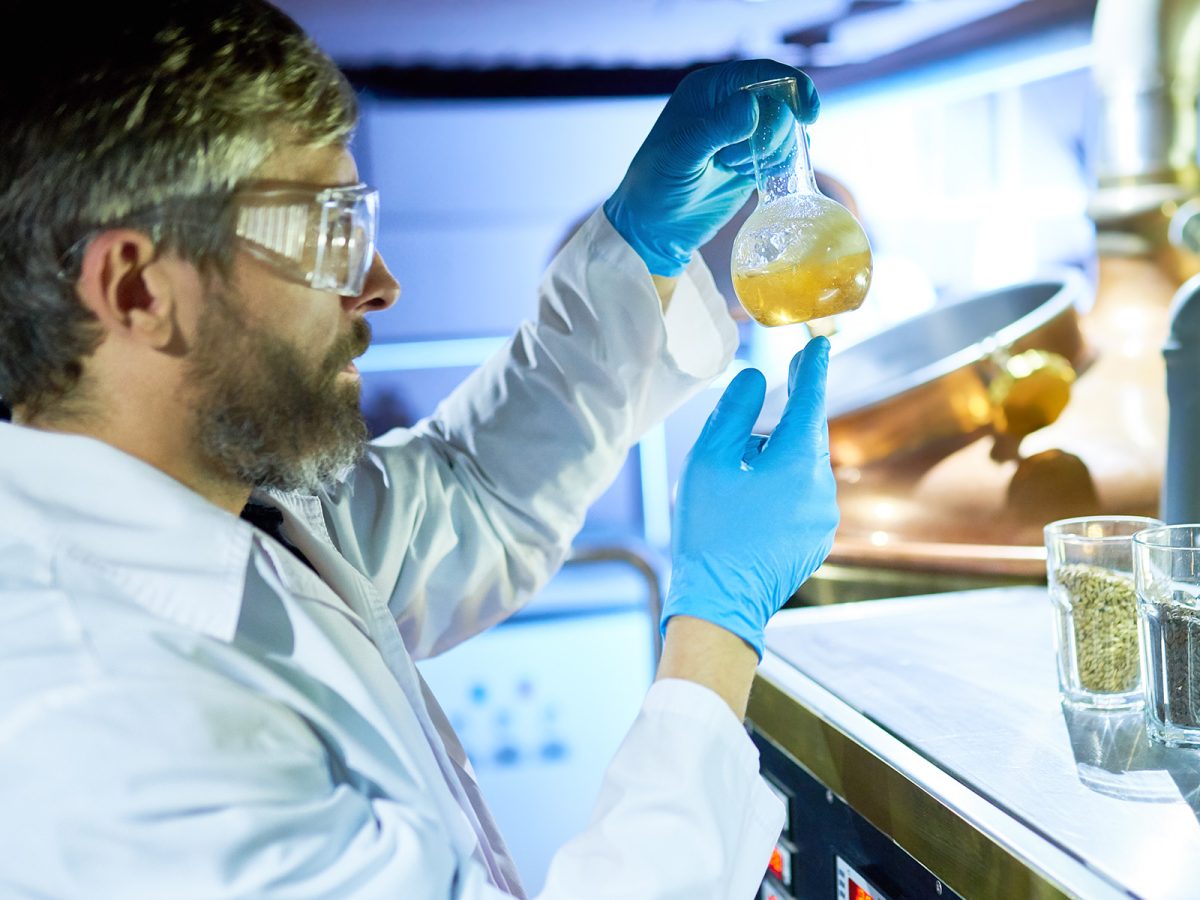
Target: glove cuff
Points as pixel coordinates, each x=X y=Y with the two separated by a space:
x=703 y=598
x=668 y=262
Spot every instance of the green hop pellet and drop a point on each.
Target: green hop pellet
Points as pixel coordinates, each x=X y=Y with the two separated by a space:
x=1104 y=619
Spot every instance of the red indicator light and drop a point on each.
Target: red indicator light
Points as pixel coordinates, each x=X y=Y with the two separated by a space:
x=776 y=864
x=858 y=893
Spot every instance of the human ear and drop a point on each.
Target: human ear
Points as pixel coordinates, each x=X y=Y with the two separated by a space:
x=127 y=291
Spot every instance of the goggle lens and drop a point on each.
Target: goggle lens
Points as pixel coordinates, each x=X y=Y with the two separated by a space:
x=325 y=240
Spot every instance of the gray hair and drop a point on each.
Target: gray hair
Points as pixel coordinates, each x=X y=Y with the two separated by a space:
x=148 y=117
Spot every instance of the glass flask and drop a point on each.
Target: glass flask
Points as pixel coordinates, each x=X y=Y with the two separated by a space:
x=800 y=255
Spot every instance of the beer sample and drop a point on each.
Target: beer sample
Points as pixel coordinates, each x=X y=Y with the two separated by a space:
x=800 y=258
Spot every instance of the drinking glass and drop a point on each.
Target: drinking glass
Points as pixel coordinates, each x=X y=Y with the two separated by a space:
x=1089 y=570
x=1167 y=576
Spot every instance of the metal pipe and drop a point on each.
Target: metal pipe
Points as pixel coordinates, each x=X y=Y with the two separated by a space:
x=644 y=561
x=1181 y=478
x=1147 y=75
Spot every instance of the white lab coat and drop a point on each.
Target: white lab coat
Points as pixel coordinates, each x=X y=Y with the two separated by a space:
x=186 y=710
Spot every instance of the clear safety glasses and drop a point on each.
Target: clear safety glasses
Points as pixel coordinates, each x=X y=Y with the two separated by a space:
x=324 y=239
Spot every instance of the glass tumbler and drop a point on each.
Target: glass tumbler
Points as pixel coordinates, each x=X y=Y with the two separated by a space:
x=1089 y=569
x=1167 y=574
x=800 y=255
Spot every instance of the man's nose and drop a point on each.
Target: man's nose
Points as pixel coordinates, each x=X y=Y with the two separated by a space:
x=380 y=289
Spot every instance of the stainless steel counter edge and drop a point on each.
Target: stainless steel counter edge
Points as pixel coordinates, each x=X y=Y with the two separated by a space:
x=976 y=849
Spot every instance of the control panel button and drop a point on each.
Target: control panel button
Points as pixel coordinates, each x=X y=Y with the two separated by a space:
x=780 y=866
x=772 y=890
x=853 y=886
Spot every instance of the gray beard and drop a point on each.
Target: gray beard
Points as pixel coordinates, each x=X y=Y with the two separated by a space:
x=267 y=416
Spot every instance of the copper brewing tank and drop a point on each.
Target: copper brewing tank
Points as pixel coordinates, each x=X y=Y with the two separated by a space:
x=968 y=509
x=944 y=518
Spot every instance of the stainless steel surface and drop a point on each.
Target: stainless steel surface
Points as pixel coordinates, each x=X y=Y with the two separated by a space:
x=959 y=692
x=1147 y=74
x=974 y=848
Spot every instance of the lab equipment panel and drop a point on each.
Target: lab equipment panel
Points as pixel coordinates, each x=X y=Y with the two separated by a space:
x=830 y=851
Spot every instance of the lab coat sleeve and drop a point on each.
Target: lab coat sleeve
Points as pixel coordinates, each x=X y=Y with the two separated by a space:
x=461 y=518
x=683 y=813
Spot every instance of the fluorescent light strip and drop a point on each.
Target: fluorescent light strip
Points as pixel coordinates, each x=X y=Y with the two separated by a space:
x=408 y=355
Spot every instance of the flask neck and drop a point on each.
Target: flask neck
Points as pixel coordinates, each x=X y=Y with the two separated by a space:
x=786 y=171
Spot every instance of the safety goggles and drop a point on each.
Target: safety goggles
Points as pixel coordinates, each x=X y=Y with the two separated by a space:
x=324 y=239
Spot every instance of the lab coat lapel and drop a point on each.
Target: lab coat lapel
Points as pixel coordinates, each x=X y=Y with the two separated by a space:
x=304 y=526
x=499 y=860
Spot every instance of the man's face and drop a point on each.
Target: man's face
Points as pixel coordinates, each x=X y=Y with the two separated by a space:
x=277 y=398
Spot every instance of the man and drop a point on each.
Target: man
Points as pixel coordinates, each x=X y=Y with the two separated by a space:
x=211 y=595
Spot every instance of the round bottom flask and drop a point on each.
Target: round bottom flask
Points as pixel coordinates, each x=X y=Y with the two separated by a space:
x=800 y=255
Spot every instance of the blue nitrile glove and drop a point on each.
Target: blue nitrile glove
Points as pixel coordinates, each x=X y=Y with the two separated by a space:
x=695 y=169
x=754 y=518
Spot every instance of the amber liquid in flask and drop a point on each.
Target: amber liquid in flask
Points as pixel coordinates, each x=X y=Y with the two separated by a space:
x=800 y=256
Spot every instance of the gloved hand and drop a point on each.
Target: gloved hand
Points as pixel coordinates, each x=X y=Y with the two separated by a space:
x=754 y=518
x=695 y=169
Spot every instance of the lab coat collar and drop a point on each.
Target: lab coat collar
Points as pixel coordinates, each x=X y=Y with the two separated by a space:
x=80 y=501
